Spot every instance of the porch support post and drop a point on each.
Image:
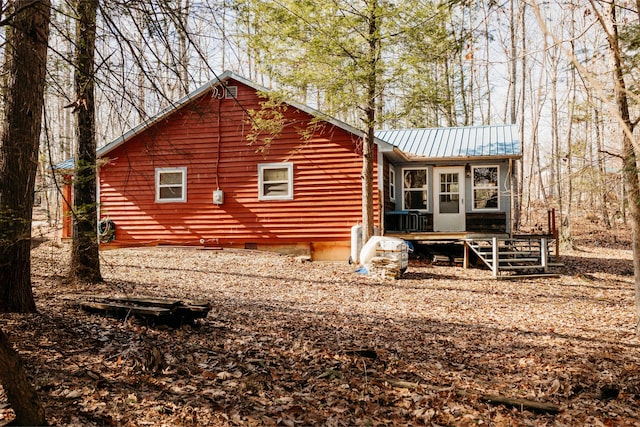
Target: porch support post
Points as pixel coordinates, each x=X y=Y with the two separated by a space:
x=465 y=263
x=544 y=255
x=494 y=249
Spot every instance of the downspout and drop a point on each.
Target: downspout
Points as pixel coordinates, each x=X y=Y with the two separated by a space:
x=381 y=200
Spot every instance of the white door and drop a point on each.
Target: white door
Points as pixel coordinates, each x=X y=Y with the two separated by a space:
x=448 y=212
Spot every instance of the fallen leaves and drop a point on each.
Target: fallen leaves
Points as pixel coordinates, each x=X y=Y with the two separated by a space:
x=290 y=343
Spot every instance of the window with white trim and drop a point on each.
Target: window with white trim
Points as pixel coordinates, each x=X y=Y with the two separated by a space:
x=275 y=181
x=414 y=189
x=171 y=184
x=486 y=191
x=392 y=183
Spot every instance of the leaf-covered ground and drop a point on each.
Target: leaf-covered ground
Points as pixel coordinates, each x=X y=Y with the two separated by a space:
x=291 y=343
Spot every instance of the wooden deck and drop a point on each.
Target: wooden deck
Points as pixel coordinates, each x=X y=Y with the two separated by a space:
x=505 y=255
x=442 y=236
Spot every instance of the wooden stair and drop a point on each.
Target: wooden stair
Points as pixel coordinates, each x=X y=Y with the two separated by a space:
x=521 y=255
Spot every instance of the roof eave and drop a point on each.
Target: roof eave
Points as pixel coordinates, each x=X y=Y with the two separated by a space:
x=411 y=158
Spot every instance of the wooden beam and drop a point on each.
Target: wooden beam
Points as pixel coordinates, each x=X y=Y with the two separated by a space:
x=522 y=403
x=529 y=276
x=124 y=309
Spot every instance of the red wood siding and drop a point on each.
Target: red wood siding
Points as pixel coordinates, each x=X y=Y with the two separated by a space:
x=326 y=180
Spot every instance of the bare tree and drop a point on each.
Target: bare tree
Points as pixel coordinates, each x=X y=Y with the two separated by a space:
x=26 y=57
x=629 y=152
x=85 y=261
x=606 y=15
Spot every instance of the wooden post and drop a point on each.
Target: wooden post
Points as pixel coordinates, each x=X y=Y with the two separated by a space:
x=465 y=262
x=494 y=266
x=554 y=233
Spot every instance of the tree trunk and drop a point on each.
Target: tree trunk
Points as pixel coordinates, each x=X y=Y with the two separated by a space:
x=26 y=56
x=630 y=168
x=565 y=231
x=513 y=102
x=368 y=150
x=20 y=393
x=602 y=170
x=183 y=54
x=85 y=260
x=517 y=208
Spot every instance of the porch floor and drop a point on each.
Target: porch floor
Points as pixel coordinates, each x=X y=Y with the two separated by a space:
x=443 y=236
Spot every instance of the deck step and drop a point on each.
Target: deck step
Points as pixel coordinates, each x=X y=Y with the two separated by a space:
x=516 y=254
x=516 y=260
x=521 y=267
x=530 y=253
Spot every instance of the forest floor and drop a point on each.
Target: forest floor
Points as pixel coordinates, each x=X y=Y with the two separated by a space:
x=313 y=343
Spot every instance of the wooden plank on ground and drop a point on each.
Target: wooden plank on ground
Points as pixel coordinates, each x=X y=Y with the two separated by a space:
x=522 y=403
x=165 y=310
x=124 y=308
x=529 y=276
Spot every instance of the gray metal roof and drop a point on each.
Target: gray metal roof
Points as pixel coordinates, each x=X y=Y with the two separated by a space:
x=68 y=164
x=456 y=142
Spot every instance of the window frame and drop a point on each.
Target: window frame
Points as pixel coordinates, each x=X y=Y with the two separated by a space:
x=261 y=182
x=230 y=92
x=474 y=187
x=425 y=188
x=183 y=184
x=392 y=183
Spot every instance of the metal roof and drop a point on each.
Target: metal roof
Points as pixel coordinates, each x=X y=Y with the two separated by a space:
x=456 y=142
x=68 y=164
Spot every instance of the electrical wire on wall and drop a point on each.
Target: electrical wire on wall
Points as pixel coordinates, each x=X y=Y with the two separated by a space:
x=219 y=96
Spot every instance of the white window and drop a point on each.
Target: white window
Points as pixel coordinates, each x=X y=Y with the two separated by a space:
x=171 y=184
x=275 y=181
x=414 y=189
x=486 y=194
x=392 y=183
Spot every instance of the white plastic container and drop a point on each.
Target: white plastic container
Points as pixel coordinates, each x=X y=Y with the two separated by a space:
x=388 y=247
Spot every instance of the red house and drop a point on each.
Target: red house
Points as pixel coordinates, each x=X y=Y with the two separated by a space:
x=200 y=174
x=192 y=176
